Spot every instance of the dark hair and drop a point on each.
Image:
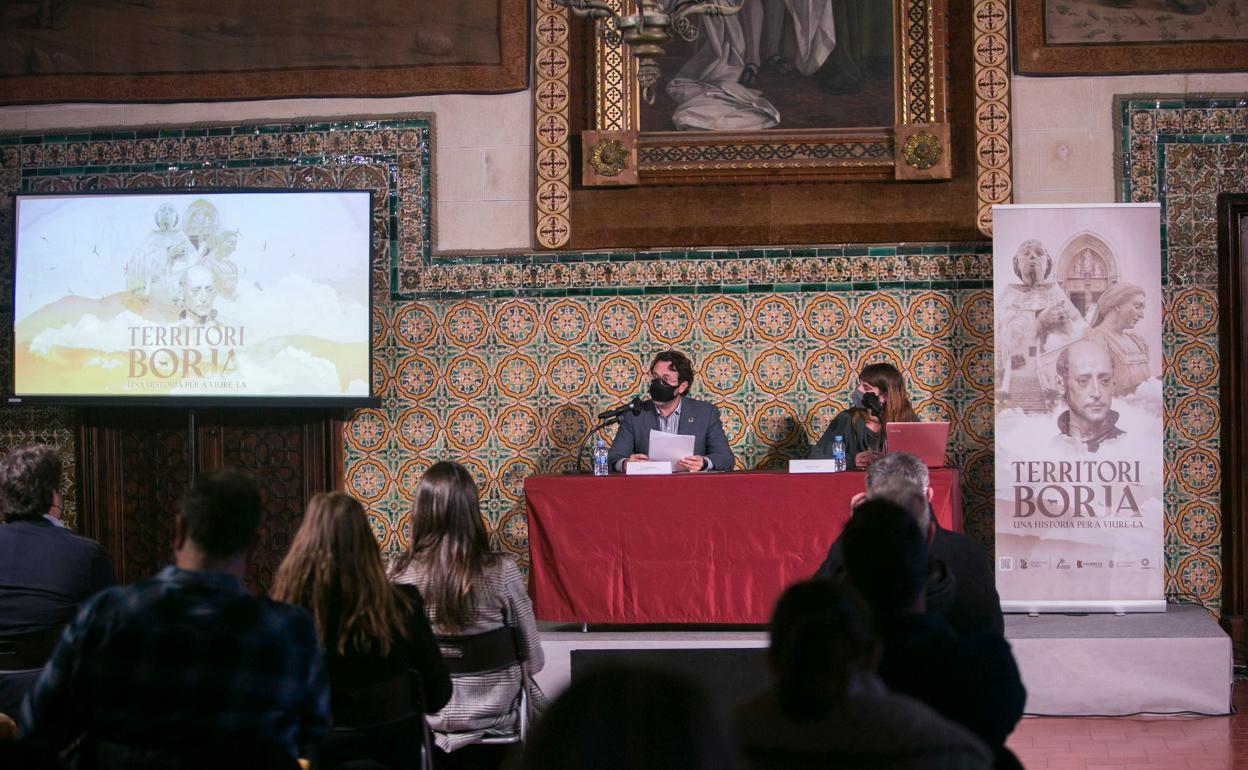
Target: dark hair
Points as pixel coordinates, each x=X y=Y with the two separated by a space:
x=632 y=719
x=885 y=557
x=680 y=362
x=333 y=569
x=221 y=512
x=892 y=384
x=449 y=540
x=821 y=632
x=29 y=476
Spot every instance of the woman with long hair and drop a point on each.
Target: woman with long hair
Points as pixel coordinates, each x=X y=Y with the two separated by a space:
x=469 y=590
x=828 y=707
x=375 y=635
x=879 y=399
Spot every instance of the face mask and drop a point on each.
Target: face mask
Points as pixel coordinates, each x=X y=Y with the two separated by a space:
x=661 y=391
x=868 y=401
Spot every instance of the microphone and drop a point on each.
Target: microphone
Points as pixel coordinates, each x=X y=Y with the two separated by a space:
x=631 y=406
x=872 y=403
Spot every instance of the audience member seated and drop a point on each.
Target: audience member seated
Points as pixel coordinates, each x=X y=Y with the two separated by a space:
x=828 y=707
x=469 y=590
x=632 y=719
x=46 y=571
x=969 y=678
x=187 y=668
x=960 y=584
x=385 y=669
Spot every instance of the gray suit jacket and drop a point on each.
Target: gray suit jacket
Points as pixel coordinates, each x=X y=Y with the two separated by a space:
x=697 y=418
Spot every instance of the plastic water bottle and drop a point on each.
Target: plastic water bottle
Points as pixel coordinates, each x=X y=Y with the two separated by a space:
x=838 y=453
x=600 y=458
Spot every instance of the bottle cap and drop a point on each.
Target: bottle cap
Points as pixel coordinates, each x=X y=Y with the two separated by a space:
x=839 y=438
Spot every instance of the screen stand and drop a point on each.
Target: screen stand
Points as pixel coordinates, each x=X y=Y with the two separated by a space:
x=190 y=427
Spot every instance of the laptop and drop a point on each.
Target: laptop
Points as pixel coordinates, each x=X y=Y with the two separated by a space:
x=927 y=440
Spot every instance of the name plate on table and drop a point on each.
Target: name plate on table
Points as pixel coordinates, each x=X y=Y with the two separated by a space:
x=812 y=466
x=641 y=468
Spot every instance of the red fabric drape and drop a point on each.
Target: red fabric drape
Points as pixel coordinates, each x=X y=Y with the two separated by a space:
x=688 y=548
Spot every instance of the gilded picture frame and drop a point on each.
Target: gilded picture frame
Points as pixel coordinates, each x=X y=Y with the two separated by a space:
x=913 y=144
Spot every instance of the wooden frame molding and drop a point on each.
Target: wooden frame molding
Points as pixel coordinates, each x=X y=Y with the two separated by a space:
x=1233 y=398
x=580 y=104
x=1035 y=56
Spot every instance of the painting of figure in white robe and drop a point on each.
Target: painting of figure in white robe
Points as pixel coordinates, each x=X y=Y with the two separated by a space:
x=779 y=64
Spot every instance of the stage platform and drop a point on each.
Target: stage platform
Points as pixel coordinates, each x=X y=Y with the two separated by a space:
x=1157 y=663
x=1178 y=661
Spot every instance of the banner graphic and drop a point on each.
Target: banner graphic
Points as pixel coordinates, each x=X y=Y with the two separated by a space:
x=1079 y=491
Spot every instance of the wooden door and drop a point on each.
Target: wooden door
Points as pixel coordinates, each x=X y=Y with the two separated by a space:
x=135 y=465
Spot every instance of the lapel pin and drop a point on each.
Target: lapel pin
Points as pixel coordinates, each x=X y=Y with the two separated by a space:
x=690 y=419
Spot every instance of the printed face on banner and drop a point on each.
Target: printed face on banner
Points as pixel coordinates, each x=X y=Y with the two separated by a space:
x=1079 y=506
x=225 y=294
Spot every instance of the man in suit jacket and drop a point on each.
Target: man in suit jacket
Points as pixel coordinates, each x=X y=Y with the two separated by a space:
x=46 y=571
x=960 y=586
x=670 y=410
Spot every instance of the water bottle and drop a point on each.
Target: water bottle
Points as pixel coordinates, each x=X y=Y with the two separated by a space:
x=600 y=458
x=838 y=453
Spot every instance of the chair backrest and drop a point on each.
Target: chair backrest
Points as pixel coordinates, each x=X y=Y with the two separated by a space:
x=28 y=652
x=480 y=653
x=486 y=652
x=369 y=720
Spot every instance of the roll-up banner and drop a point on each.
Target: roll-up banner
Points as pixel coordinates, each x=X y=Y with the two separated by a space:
x=1079 y=507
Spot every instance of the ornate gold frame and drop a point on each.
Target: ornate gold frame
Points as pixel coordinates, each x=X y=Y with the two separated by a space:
x=844 y=154
x=684 y=157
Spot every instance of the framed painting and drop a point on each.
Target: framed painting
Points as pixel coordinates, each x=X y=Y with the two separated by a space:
x=1117 y=37
x=182 y=50
x=798 y=90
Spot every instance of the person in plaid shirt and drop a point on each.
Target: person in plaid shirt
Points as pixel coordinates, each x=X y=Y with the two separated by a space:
x=188 y=663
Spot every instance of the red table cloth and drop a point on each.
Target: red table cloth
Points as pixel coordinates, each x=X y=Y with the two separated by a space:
x=688 y=548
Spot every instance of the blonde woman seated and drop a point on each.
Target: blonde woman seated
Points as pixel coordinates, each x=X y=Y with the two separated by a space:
x=468 y=590
x=374 y=633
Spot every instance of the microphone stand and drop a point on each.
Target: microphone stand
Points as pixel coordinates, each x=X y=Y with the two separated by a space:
x=580 y=455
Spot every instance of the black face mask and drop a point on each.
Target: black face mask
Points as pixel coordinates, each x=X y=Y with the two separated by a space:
x=661 y=391
x=872 y=404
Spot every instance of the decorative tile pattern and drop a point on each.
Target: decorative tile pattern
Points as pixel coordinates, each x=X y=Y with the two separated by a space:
x=780 y=362
x=501 y=360
x=994 y=183
x=552 y=165
x=1182 y=153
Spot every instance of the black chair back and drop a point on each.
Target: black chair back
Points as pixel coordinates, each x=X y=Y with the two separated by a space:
x=28 y=652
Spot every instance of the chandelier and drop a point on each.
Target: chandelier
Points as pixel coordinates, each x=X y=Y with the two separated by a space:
x=649 y=29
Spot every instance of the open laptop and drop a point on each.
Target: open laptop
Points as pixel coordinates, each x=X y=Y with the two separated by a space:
x=927 y=440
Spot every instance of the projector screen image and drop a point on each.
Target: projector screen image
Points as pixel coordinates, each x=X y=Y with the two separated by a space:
x=192 y=295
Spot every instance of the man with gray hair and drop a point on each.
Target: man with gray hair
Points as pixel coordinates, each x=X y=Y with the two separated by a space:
x=46 y=571
x=960 y=585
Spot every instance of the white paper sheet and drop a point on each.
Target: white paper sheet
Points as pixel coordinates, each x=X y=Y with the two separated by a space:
x=669 y=447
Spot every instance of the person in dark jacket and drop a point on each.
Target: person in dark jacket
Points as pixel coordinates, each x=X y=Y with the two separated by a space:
x=960 y=586
x=969 y=678
x=879 y=399
x=671 y=410
x=46 y=571
x=827 y=706
x=385 y=668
